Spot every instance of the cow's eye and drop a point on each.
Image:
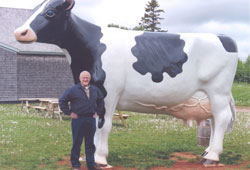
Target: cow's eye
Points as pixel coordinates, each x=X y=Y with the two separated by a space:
x=50 y=13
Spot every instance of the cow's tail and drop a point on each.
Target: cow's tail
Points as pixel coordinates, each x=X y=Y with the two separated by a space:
x=233 y=111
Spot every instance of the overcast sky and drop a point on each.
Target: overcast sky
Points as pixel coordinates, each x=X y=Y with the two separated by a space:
x=230 y=17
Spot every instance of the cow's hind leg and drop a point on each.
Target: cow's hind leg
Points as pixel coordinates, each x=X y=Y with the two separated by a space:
x=101 y=136
x=211 y=121
x=221 y=116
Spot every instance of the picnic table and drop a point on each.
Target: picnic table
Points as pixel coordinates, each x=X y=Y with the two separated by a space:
x=27 y=102
x=51 y=105
x=122 y=117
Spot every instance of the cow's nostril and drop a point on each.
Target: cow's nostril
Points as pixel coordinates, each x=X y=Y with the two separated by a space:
x=24 y=33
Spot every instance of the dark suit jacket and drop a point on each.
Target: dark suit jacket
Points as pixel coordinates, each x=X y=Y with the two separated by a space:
x=75 y=100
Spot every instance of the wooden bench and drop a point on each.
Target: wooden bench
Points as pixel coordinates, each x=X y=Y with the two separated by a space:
x=39 y=107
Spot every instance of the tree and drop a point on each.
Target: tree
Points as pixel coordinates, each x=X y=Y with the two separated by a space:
x=114 y=25
x=239 y=76
x=138 y=28
x=118 y=26
x=243 y=71
x=151 y=17
x=247 y=70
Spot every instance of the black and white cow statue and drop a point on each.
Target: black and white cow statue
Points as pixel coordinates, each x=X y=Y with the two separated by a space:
x=142 y=71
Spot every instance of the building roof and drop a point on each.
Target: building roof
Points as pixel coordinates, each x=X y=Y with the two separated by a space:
x=12 y=18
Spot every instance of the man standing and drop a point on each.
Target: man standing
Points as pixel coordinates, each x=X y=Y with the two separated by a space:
x=86 y=103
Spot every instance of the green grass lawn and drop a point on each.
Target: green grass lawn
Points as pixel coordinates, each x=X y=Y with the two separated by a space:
x=241 y=94
x=30 y=141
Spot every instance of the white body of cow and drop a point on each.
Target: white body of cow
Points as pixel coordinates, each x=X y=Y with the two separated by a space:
x=209 y=69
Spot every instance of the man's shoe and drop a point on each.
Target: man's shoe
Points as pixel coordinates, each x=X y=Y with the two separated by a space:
x=96 y=167
x=76 y=168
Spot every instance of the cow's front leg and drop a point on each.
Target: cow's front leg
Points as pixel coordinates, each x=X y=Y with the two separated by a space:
x=101 y=136
x=222 y=116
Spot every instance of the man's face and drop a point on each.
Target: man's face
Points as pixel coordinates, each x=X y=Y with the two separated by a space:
x=85 y=78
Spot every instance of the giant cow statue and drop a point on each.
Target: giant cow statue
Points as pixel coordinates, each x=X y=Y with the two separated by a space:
x=142 y=71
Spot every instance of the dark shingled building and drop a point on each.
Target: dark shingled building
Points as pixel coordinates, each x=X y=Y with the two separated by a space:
x=29 y=70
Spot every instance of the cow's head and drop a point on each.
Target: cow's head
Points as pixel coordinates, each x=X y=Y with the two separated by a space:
x=47 y=24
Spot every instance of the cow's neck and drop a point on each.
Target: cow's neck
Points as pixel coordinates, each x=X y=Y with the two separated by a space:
x=82 y=40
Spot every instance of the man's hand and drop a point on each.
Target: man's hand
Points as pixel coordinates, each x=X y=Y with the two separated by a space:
x=74 y=115
x=95 y=115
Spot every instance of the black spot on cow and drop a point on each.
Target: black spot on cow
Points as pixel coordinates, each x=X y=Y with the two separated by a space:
x=57 y=25
x=82 y=40
x=228 y=43
x=158 y=53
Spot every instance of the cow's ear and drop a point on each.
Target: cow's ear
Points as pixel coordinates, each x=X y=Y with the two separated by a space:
x=69 y=4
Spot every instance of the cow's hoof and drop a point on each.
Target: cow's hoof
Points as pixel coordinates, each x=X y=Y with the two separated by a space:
x=204 y=154
x=101 y=122
x=104 y=166
x=202 y=161
x=210 y=163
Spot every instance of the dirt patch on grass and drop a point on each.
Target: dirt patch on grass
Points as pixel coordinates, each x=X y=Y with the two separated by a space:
x=243 y=109
x=197 y=166
x=64 y=162
x=183 y=161
x=188 y=161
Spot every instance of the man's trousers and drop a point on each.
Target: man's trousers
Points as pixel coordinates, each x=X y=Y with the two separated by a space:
x=83 y=127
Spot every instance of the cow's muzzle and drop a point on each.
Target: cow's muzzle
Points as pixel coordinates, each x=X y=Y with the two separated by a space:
x=25 y=35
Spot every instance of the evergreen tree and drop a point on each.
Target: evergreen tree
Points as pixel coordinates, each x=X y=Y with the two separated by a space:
x=151 y=17
x=138 y=28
